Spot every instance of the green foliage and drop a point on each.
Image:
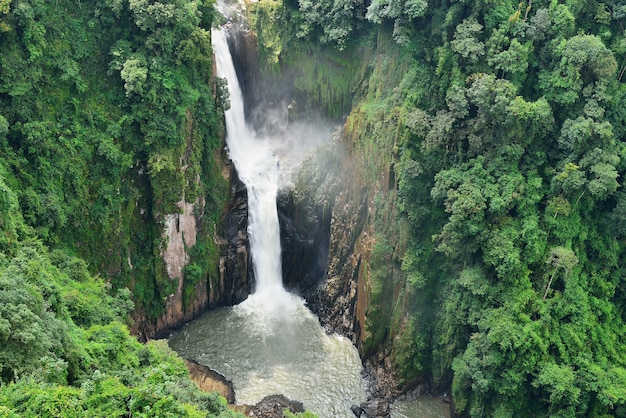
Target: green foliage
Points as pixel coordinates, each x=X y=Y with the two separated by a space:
x=65 y=353
x=505 y=128
x=466 y=42
x=335 y=19
x=107 y=121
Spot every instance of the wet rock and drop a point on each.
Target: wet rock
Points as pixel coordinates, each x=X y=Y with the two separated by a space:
x=357 y=410
x=273 y=406
x=304 y=239
x=210 y=381
x=236 y=273
x=376 y=408
x=235 y=268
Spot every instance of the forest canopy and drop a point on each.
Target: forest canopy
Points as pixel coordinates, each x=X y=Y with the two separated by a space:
x=502 y=275
x=502 y=122
x=101 y=102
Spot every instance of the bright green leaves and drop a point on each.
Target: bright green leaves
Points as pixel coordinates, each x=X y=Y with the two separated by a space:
x=196 y=48
x=28 y=331
x=150 y=14
x=486 y=117
x=513 y=60
x=473 y=197
x=584 y=60
x=588 y=55
x=415 y=8
x=154 y=384
x=467 y=41
x=603 y=174
x=596 y=171
x=378 y=10
x=401 y=12
x=336 y=19
x=134 y=73
x=51 y=366
x=473 y=279
x=534 y=118
x=5 y=6
x=559 y=383
x=34 y=31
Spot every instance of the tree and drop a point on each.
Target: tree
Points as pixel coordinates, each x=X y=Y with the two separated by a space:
x=134 y=73
x=589 y=56
x=560 y=257
x=337 y=19
x=513 y=60
x=560 y=382
x=28 y=333
x=466 y=40
x=5 y=6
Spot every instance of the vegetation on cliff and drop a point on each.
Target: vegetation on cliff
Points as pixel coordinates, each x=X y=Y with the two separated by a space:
x=65 y=349
x=108 y=118
x=499 y=129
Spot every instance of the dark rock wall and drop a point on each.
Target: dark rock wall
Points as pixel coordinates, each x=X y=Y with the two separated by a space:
x=236 y=273
x=305 y=239
x=324 y=233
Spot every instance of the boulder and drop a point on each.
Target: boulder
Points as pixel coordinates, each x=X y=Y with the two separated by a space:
x=272 y=406
x=375 y=408
x=357 y=410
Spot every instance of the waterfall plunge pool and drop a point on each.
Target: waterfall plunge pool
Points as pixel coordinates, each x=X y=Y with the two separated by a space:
x=277 y=348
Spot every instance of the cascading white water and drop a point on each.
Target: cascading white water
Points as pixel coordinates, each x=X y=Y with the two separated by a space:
x=271 y=343
x=257 y=167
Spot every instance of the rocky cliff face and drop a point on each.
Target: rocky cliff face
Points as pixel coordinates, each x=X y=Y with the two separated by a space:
x=228 y=285
x=235 y=269
x=325 y=240
x=330 y=224
x=180 y=234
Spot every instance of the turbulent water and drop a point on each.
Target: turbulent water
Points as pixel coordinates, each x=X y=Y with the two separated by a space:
x=422 y=407
x=270 y=343
x=267 y=354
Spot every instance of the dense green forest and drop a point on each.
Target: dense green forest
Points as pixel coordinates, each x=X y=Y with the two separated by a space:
x=66 y=350
x=491 y=135
x=108 y=119
x=101 y=104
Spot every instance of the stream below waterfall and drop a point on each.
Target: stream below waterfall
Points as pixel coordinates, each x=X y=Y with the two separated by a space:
x=270 y=343
x=277 y=352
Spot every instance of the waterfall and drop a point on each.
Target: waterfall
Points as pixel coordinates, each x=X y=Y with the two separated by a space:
x=257 y=166
x=271 y=343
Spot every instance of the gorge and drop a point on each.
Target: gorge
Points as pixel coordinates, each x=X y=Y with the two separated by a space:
x=270 y=343
x=464 y=229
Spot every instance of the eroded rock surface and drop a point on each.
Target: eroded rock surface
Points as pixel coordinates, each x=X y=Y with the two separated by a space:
x=211 y=381
x=272 y=406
